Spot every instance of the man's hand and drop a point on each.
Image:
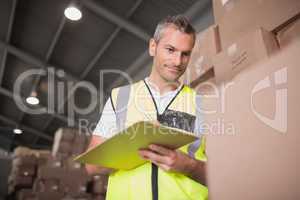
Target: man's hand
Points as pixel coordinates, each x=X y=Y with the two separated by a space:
x=176 y=161
x=166 y=159
x=93 y=169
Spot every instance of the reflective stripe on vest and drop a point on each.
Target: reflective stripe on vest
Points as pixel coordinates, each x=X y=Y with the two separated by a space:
x=121 y=106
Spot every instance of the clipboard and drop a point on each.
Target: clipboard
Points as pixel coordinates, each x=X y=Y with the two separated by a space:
x=121 y=150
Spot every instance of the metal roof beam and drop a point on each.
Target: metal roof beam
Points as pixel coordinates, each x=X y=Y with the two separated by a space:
x=108 y=42
x=114 y=18
x=89 y=67
x=7 y=39
x=48 y=55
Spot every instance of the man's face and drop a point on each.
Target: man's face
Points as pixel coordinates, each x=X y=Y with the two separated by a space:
x=171 y=53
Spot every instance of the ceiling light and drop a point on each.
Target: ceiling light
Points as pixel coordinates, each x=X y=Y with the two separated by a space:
x=73 y=13
x=32 y=99
x=18 y=131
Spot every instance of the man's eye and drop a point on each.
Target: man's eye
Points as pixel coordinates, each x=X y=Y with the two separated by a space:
x=170 y=50
x=187 y=54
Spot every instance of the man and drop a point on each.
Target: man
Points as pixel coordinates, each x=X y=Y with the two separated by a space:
x=169 y=174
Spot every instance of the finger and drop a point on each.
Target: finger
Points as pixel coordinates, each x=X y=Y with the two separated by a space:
x=153 y=156
x=142 y=153
x=160 y=149
x=162 y=166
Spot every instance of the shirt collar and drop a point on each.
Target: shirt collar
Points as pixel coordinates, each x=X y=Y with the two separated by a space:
x=155 y=90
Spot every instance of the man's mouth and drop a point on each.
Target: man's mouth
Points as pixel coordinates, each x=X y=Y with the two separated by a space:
x=174 y=69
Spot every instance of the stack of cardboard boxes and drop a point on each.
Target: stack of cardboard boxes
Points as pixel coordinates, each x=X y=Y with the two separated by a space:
x=69 y=142
x=24 y=167
x=249 y=103
x=236 y=18
x=55 y=175
x=22 y=173
x=206 y=47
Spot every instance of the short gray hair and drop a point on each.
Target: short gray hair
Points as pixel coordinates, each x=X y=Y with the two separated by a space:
x=180 y=22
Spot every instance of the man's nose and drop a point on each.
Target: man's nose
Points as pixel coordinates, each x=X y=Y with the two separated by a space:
x=177 y=59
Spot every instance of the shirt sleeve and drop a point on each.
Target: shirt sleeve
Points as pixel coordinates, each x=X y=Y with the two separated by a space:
x=107 y=125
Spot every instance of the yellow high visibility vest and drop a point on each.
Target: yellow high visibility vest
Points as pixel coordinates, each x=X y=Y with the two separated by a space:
x=134 y=103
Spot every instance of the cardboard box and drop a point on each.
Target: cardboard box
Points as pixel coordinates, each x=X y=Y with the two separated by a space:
x=48 y=172
x=65 y=134
x=289 y=34
x=63 y=141
x=21 y=182
x=237 y=17
x=72 y=165
x=99 y=185
x=74 y=186
x=80 y=144
x=25 y=194
x=85 y=196
x=75 y=181
x=46 y=185
x=54 y=162
x=49 y=195
x=63 y=149
x=24 y=160
x=99 y=197
x=206 y=47
x=43 y=159
x=252 y=122
x=248 y=50
x=24 y=170
x=22 y=151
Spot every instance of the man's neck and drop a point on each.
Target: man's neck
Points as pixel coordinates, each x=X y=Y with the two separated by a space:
x=163 y=86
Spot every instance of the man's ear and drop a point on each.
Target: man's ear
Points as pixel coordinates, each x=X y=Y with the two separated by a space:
x=152 y=47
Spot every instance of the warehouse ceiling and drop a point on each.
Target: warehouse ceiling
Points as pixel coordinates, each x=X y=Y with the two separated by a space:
x=45 y=54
